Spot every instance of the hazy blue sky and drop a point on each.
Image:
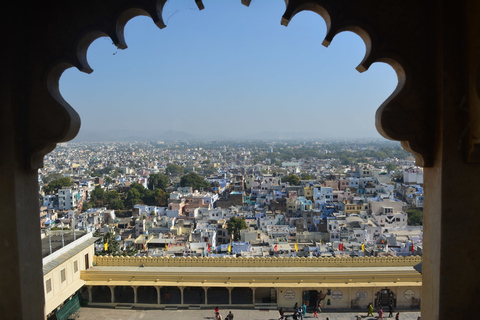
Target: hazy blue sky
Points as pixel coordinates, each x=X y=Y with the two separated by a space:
x=229 y=70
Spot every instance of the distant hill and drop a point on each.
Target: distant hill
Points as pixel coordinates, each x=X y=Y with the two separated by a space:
x=174 y=135
x=130 y=135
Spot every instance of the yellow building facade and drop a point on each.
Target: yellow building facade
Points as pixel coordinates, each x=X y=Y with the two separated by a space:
x=61 y=272
x=343 y=283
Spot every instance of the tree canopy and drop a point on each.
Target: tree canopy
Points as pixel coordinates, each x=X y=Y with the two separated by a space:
x=174 y=169
x=112 y=247
x=52 y=176
x=158 y=181
x=292 y=179
x=139 y=194
x=391 y=167
x=99 y=197
x=234 y=225
x=97 y=194
x=54 y=185
x=307 y=176
x=415 y=217
x=194 y=180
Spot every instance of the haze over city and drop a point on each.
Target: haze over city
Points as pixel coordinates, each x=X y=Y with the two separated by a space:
x=236 y=73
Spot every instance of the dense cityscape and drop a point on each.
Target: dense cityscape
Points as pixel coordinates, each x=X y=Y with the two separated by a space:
x=251 y=198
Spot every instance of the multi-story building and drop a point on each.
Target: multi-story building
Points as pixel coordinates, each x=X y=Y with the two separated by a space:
x=68 y=198
x=388 y=213
x=356 y=205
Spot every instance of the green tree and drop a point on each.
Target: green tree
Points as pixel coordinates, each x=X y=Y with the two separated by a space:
x=133 y=197
x=158 y=181
x=116 y=204
x=174 y=169
x=346 y=161
x=111 y=195
x=209 y=170
x=234 y=225
x=86 y=206
x=160 y=197
x=54 y=185
x=415 y=217
x=380 y=155
x=391 y=167
x=194 y=180
x=130 y=250
x=292 y=179
x=51 y=177
x=110 y=243
x=97 y=195
x=307 y=176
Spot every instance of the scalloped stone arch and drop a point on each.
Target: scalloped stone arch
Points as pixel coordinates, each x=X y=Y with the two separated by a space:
x=435 y=113
x=389 y=112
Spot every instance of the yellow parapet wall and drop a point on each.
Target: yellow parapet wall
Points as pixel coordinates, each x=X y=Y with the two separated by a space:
x=108 y=261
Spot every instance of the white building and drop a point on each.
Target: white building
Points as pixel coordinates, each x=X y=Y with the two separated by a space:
x=324 y=194
x=68 y=199
x=413 y=176
x=388 y=218
x=333 y=228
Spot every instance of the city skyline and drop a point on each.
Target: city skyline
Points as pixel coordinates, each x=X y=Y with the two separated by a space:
x=228 y=71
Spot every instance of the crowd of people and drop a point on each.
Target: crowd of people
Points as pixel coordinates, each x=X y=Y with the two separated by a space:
x=370 y=310
x=299 y=312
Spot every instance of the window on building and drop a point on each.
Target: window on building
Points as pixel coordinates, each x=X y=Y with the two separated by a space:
x=62 y=275
x=75 y=266
x=48 y=285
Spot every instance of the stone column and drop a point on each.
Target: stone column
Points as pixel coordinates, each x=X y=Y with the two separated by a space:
x=135 y=294
x=253 y=295
x=21 y=251
x=159 y=299
x=230 y=295
x=350 y=298
x=206 y=294
x=181 y=294
x=90 y=297
x=112 y=293
x=451 y=218
x=396 y=294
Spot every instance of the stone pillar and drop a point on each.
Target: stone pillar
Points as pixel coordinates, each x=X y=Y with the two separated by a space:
x=159 y=298
x=230 y=295
x=450 y=264
x=253 y=295
x=112 y=294
x=181 y=294
x=90 y=297
x=135 y=294
x=20 y=249
x=396 y=295
x=206 y=294
x=350 y=298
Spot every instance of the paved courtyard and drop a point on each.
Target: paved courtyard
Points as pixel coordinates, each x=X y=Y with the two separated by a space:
x=89 y=313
